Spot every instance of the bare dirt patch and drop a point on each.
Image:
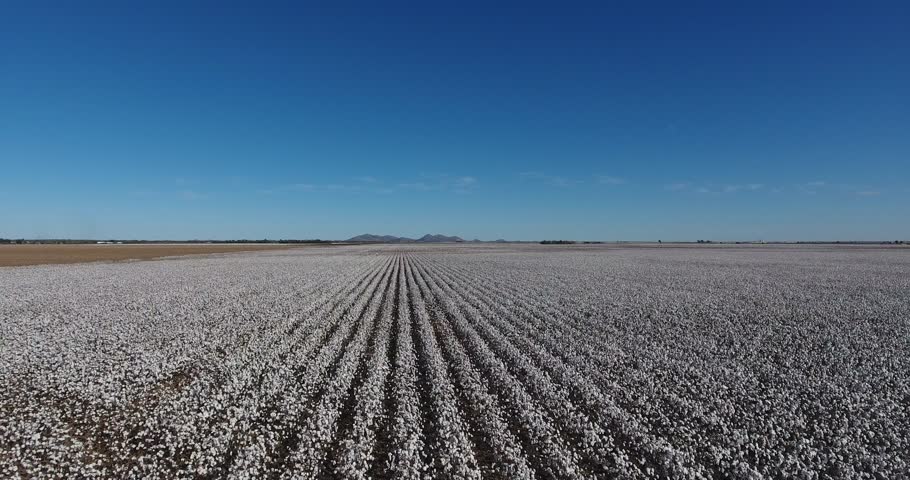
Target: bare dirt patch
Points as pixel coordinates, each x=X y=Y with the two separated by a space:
x=21 y=255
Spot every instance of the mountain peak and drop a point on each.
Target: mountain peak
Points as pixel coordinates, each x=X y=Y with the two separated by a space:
x=438 y=238
x=428 y=238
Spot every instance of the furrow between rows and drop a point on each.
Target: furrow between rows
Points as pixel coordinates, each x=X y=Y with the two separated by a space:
x=363 y=412
x=601 y=429
x=311 y=458
x=447 y=450
x=497 y=442
x=239 y=406
x=407 y=438
x=275 y=432
x=540 y=437
x=565 y=343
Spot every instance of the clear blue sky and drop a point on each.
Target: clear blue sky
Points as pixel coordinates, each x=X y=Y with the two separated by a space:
x=684 y=120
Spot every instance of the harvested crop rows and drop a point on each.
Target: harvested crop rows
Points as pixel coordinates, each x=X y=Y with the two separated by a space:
x=461 y=362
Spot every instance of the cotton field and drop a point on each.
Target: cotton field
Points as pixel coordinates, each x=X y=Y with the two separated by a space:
x=461 y=361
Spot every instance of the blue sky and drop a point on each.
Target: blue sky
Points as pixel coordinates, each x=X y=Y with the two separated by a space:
x=635 y=121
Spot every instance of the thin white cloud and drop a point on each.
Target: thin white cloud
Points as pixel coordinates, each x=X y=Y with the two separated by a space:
x=182 y=182
x=610 y=180
x=721 y=189
x=192 y=195
x=752 y=187
x=552 y=180
x=184 y=194
x=340 y=187
x=294 y=187
x=464 y=184
x=368 y=184
x=812 y=188
x=442 y=182
x=421 y=186
x=145 y=193
x=465 y=181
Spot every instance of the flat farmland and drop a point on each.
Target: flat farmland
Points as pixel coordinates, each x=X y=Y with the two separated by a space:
x=38 y=254
x=461 y=361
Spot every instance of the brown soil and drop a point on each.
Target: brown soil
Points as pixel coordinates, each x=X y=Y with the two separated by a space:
x=20 y=255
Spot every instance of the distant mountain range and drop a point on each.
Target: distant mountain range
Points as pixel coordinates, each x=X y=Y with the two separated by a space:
x=369 y=237
x=428 y=238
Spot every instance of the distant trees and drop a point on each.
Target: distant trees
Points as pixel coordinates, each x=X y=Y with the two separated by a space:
x=558 y=242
